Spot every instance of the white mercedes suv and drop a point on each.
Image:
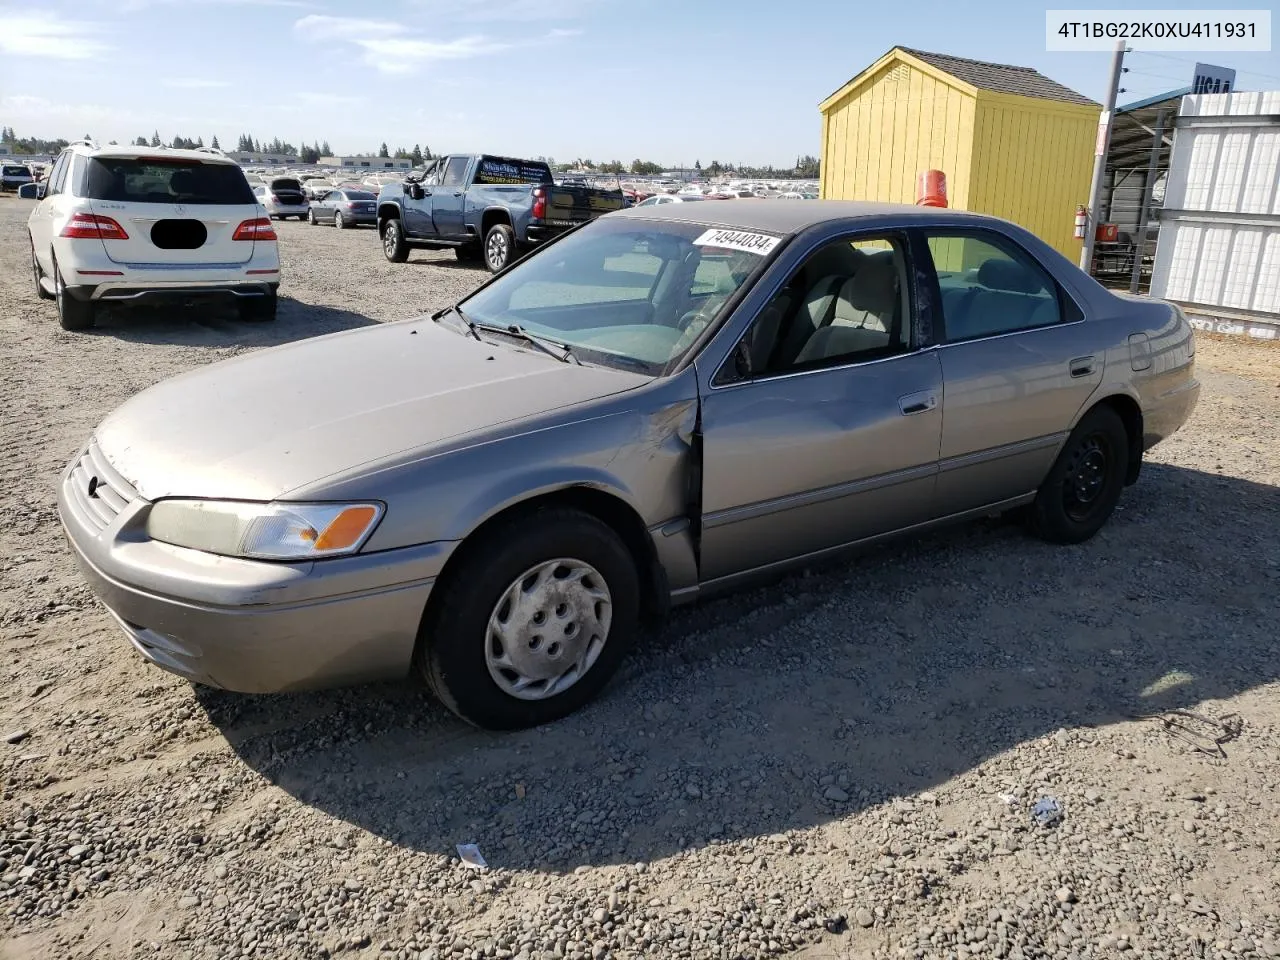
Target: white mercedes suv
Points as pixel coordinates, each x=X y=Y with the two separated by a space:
x=145 y=224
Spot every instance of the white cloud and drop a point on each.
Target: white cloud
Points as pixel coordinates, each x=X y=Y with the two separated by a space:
x=318 y=26
x=195 y=83
x=405 y=55
x=508 y=10
x=48 y=36
x=134 y=5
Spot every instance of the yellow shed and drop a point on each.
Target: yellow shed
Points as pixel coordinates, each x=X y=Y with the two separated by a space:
x=1012 y=142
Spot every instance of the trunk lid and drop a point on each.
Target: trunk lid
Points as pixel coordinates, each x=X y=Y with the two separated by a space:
x=176 y=211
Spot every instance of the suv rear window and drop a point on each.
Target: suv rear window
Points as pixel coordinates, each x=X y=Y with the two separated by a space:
x=146 y=180
x=503 y=170
x=16 y=172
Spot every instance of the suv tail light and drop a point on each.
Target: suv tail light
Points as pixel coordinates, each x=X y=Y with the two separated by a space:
x=91 y=226
x=539 y=202
x=259 y=229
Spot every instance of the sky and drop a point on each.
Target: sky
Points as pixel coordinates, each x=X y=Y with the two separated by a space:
x=672 y=81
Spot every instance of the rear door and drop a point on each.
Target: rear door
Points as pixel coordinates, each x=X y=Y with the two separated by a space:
x=176 y=211
x=1018 y=363
x=448 y=199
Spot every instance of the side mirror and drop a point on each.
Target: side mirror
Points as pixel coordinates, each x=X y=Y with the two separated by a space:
x=31 y=191
x=416 y=192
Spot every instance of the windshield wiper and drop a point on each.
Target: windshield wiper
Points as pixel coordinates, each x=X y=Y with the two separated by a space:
x=542 y=343
x=471 y=327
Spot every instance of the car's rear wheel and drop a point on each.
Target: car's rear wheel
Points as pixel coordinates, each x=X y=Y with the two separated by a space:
x=499 y=247
x=532 y=622
x=1086 y=480
x=260 y=309
x=394 y=246
x=311 y=217
x=73 y=314
x=37 y=275
x=339 y=220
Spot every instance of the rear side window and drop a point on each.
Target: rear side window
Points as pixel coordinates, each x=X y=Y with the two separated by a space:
x=500 y=170
x=990 y=286
x=144 y=180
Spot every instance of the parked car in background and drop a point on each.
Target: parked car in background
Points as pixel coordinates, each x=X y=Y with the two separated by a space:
x=662 y=198
x=148 y=224
x=346 y=208
x=14 y=175
x=666 y=403
x=313 y=188
x=486 y=208
x=282 y=198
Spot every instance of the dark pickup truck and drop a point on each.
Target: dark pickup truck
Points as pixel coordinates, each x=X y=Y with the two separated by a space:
x=484 y=207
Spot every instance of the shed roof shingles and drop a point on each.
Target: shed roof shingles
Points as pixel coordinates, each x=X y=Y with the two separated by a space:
x=1001 y=77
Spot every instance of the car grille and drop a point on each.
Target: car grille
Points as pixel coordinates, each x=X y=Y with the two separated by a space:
x=111 y=492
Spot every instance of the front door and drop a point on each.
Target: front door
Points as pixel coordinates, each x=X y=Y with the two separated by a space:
x=1019 y=364
x=417 y=211
x=831 y=434
x=446 y=210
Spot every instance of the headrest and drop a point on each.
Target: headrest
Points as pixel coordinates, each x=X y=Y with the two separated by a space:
x=835 y=259
x=874 y=288
x=182 y=181
x=1001 y=274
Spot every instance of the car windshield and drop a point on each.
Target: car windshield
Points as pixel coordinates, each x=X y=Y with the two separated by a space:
x=624 y=292
x=161 y=180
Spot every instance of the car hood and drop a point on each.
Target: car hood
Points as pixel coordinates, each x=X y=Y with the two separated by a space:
x=258 y=426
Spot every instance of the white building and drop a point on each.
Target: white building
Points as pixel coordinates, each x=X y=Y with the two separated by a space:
x=367 y=162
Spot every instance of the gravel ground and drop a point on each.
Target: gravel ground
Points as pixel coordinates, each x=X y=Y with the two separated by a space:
x=842 y=763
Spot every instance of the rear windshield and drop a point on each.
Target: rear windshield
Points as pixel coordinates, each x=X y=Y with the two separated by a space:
x=360 y=195
x=161 y=180
x=286 y=184
x=503 y=170
x=16 y=172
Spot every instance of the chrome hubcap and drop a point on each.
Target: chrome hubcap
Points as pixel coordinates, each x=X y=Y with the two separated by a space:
x=389 y=240
x=548 y=629
x=337 y=220
x=497 y=249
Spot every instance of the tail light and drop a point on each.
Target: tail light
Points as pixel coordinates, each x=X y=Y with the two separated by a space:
x=91 y=226
x=539 y=202
x=349 y=205
x=259 y=229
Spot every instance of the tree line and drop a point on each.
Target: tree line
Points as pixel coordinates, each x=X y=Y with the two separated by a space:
x=806 y=167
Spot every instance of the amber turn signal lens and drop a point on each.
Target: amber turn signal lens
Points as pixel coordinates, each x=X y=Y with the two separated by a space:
x=346 y=528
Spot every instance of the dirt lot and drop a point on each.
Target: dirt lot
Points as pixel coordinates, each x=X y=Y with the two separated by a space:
x=840 y=764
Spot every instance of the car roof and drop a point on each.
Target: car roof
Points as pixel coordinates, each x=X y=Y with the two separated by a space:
x=779 y=216
x=130 y=150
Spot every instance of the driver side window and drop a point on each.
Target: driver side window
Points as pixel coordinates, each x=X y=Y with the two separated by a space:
x=432 y=177
x=455 y=172
x=849 y=301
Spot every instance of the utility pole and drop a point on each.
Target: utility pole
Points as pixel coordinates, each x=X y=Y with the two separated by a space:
x=1101 y=148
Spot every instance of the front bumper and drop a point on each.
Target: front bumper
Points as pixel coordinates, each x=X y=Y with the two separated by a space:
x=244 y=625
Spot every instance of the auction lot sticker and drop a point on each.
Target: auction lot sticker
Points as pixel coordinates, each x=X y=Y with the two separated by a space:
x=760 y=243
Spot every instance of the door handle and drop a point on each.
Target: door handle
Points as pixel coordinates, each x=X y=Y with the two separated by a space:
x=458 y=194
x=914 y=403
x=1082 y=366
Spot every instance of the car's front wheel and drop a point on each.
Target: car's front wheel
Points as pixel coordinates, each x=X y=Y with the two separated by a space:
x=73 y=314
x=532 y=622
x=394 y=246
x=499 y=247
x=37 y=275
x=1085 y=482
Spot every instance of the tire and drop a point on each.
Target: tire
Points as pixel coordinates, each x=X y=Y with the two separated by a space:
x=311 y=218
x=455 y=645
x=394 y=246
x=499 y=247
x=468 y=252
x=1085 y=482
x=258 y=309
x=338 y=220
x=36 y=274
x=73 y=314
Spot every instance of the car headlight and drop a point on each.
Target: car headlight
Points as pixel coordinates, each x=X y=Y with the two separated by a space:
x=264 y=531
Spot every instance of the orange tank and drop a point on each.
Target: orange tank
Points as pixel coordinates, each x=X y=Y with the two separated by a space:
x=931 y=189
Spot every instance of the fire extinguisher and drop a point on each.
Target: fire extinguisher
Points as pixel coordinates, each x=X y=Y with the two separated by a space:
x=1082 y=219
